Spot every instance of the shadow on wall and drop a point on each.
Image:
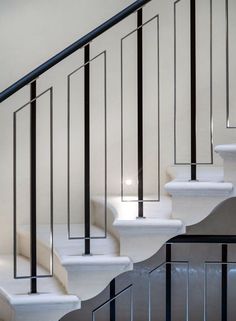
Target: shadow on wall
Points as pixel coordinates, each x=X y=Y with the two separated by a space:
x=222 y=220
x=143 y=291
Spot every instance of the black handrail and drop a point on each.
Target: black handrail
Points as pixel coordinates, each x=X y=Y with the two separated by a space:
x=71 y=49
x=187 y=238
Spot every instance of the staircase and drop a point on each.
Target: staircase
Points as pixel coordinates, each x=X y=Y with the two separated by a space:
x=53 y=262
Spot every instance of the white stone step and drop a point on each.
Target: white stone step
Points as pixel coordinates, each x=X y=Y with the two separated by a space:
x=198 y=188
x=226 y=150
x=205 y=173
x=87 y=276
x=194 y=201
x=80 y=275
x=51 y=302
x=129 y=210
x=141 y=238
x=228 y=154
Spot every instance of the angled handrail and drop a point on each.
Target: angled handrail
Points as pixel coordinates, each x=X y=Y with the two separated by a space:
x=71 y=49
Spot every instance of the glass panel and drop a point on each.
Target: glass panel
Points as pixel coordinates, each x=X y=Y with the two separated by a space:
x=179 y=293
x=231 y=291
x=213 y=292
x=121 y=306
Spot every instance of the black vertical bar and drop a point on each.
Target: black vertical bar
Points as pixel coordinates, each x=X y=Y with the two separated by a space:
x=87 y=149
x=224 y=282
x=68 y=157
x=193 y=89
x=33 y=214
x=14 y=196
x=140 y=109
x=168 y=282
x=112 y=302
x=51 y=182
x=227 y=62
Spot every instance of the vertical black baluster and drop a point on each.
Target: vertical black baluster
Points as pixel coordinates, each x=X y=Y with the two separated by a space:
x=140 y=109
x=193 y=89
x=87 y=149
x=227 y=62
x=33 y=214
x=224 y=282
x=168 y=282
x=14 y=196
x=113 y=302
x=51 y=181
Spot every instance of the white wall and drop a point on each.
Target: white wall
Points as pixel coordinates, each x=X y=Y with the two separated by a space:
x=32 y=31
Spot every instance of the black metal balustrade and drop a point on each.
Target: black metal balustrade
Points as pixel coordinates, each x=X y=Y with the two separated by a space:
x=32 y=79
x=141 y=110
x=32 y=109
x=193 y=89
x=194 y=160
x=86 y=70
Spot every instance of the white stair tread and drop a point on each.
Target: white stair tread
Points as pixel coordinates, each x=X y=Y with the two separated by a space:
x=128 y=210
x=193 y=188
x=15 y=291
x=226 y=148
x=96 y=261
x=65 y=247
x=149 y=225
x=40 y=298
x=204 y=173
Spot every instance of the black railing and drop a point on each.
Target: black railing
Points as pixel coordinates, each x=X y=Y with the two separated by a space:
x=194 y=157
x=71 y=49
x=33 y=186
x=193 y=90
x=140 y=109
x=87 y=149
x=85 y=70
x=32 y=79
x=31 y=106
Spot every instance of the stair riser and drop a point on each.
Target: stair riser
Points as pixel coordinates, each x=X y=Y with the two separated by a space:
x=142 y=247
x=228 y=153
x=194 y=209
x=40 y=312
x=230 y=171
x=87 y=284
